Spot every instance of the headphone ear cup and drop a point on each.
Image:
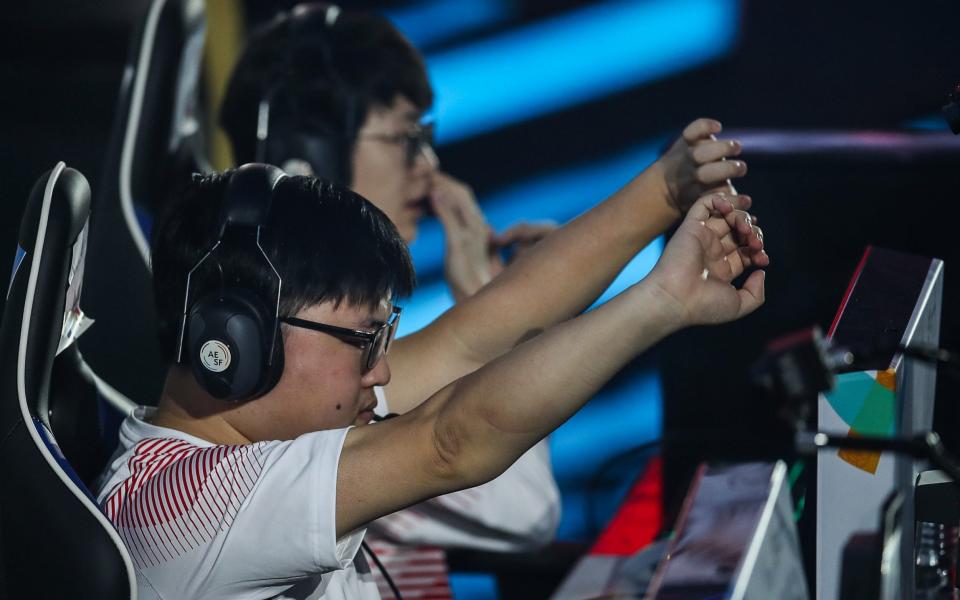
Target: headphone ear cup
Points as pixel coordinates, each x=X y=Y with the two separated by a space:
x=229 y=336
x=292 y=147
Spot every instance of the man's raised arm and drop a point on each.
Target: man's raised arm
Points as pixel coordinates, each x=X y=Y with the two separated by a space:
x=563 y=274
x=474 y=428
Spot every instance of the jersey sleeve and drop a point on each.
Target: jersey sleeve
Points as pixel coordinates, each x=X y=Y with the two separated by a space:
x=228 y=520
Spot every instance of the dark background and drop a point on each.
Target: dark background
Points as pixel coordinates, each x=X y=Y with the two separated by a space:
x=798 y=64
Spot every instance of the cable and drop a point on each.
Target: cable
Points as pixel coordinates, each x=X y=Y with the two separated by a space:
x=383 y=570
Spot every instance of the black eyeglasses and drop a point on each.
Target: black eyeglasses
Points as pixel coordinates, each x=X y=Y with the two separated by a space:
x=374 y=343
x=416 y=141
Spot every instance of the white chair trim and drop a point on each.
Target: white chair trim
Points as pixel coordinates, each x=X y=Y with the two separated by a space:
x=21 y=384
x=130 y=135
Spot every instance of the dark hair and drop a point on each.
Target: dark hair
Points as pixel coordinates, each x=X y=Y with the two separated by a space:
x=326 y=77
x=327 y=243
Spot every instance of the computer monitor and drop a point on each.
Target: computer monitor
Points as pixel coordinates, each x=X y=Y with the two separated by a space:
x=735 y=538
x=894 y=299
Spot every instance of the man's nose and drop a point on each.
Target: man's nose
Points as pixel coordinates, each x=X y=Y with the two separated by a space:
x=378 y=375
x=427 y=159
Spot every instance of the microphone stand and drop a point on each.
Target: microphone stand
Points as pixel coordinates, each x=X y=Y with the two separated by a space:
x=798 y=367
x=927 y=445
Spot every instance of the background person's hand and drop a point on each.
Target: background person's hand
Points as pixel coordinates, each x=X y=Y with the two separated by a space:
x=695 y=165
x=471 y=259
x=713 y=245
x=523 y=236
x=472 y=256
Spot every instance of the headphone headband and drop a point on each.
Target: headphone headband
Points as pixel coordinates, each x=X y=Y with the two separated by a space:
x=330 y=11
x=293 y=131
x=249 y=196
x=296 y=19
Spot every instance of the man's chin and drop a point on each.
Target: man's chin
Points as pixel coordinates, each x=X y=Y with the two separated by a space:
x=364 y=417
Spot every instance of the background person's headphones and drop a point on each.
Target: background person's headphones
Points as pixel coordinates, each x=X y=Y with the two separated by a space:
x=298 y=140
x=231 y=337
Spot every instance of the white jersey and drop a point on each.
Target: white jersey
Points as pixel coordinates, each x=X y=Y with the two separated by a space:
x=517 y=511
x=253 y=521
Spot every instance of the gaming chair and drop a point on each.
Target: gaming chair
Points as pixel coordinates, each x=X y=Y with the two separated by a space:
x=54 y=540
x=156 y=141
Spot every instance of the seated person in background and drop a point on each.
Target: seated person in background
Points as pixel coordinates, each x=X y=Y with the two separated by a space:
x=262 y=488
x=342 y=96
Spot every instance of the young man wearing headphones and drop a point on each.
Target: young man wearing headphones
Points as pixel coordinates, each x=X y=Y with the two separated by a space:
x=275 y=296
x=341 y=96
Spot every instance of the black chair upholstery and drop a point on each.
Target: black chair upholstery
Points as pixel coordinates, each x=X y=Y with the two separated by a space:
x=55 y=541
x=156 y=142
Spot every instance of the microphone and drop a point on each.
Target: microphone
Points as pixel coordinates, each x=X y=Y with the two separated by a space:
x=804 y=362
x=800 y=364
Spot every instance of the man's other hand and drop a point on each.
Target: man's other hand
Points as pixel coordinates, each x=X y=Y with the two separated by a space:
x=696 y=164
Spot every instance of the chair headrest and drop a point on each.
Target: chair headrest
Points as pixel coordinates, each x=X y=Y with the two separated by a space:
x=69 y=206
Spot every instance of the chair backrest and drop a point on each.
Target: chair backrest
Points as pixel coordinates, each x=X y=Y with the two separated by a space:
x=55 y=541
x=156 y=142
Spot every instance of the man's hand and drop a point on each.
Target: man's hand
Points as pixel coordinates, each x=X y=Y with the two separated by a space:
x=695 y=164
x=715 y=243
x=472 y=255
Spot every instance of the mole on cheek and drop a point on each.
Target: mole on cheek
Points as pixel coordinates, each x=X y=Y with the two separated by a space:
x=338 y=407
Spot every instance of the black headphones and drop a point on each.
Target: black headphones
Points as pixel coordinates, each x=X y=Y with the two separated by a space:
x=304 y=145
x=231 y=337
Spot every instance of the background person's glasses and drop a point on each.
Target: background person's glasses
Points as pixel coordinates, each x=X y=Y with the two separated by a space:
x=375 y=344
x=416 y=141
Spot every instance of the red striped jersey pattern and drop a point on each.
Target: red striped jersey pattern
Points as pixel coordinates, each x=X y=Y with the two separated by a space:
x=419 y=573
x=180 y=496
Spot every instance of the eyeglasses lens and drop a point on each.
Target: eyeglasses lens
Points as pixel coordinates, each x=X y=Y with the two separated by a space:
x=417 y=142
x=381 y=342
